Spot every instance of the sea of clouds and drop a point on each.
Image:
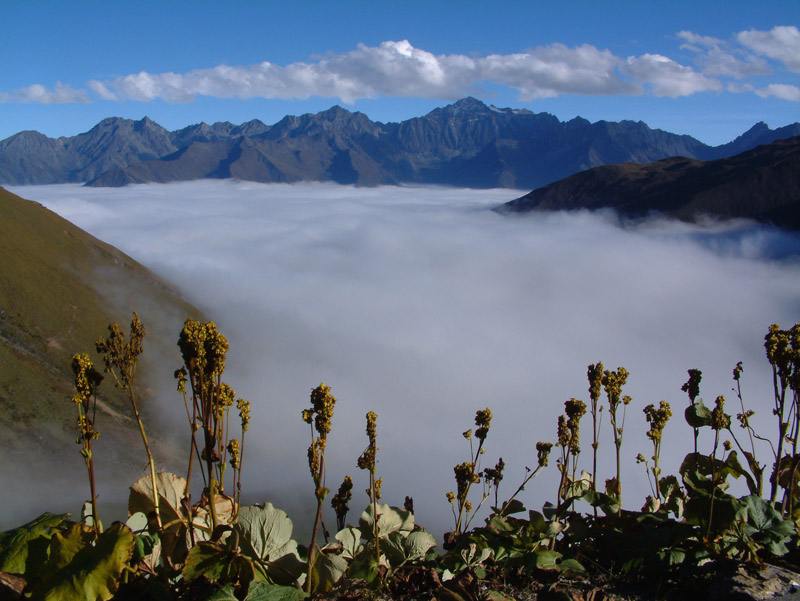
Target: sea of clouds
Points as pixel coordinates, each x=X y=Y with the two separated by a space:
x=422 y=304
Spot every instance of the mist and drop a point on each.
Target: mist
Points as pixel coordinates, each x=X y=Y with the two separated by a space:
x=423 y=305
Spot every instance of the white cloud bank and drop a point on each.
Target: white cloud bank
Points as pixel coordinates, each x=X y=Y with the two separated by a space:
x=390 y=69
x=397 y=68
x=780 y=43
x=60 y=94
x=422 y=305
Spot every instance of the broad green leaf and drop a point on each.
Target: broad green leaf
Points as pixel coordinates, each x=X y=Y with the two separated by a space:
x=511 y=507
x=417 y=544
x=766 y=526
x=674 y=499
x=697 y=414
x=546 y=559
x=226 y=593
x=351 y=541
x=287 y=570
x=205 y=559
x=92 y=571
x=30 y=539
x=365 y=567
x=537 y=521
x=171 y=489
x=216 y=563
x=263 y=591
x=65 y=545
x=327 y=571
x=572 y=567
x=673 y=556
x=498 y=523
x=266 y=532
x=608 y=503
x=401 y=547
x=390 y=519
x=471 y=556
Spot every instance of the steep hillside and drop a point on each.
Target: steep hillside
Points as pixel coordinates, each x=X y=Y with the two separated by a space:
x=59 y=290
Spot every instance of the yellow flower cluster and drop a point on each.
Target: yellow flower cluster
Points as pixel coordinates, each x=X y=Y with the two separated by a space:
x=372 y=419
x=483 y=419
x=657 y=418
x=465 y=475
x=234 y=449
x=543 y=453
x=87 y=378
x=595 y=375
x=719 y=419
x=322 y=402
x=119 y=355
x=203 y=349
x=244 y=413
x=692 y=385
x=340 y=501
x=613 y=381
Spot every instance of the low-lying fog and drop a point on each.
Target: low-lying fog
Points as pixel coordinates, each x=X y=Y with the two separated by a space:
x=423 y=305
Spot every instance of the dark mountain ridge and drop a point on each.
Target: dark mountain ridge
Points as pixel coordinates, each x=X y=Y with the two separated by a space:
x=761 y=184
x=463 y=144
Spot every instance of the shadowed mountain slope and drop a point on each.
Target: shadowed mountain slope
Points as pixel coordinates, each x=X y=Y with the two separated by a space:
x=463 y=144
x=761 y=184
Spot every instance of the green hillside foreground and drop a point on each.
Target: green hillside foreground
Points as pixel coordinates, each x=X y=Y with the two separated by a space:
x=60 y=288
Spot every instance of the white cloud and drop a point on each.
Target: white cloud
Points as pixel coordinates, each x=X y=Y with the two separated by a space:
x=718 y=62
x=390 y=69
x=422 y=306
x=780 y=90
x=668 y=77
x=780 y=43
x=397 y=68
x=60 y=94
x=693 y=40
x=716 y=58
x=557 y=69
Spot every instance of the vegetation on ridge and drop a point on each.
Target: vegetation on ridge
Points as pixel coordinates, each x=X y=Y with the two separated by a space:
x=213 y=548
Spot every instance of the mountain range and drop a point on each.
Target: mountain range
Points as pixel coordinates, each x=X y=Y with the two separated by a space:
x=761 y=184
x=466 y=144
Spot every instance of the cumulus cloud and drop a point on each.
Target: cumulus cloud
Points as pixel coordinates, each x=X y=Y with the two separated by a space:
x=400 y=69
x=60 y=94
x=557 y=69
x=780 y=90
x=668 y=77
x=693 y=40
x=780 y=43
x=390 y=69
x=422 y=305
x=397 y=68
x=718 y=59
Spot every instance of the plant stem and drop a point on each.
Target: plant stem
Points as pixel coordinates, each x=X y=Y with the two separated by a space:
x=312 y=548
x=149 y=455
x=98 y=527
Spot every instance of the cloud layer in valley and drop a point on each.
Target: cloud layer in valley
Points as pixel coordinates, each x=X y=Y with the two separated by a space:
x=397 y=68
x=424 y=306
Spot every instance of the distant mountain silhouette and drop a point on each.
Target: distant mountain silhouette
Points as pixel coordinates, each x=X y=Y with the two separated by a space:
x=465 y=144
x=762 y=184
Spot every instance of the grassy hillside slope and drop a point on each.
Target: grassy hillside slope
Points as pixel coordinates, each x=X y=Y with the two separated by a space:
x=59 y=290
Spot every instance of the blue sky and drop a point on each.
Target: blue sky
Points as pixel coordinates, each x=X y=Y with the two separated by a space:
x=708 y=69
